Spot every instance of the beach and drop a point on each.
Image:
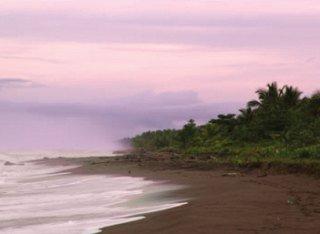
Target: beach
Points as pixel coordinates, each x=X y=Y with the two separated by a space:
x=221 y=200
x=159 y=117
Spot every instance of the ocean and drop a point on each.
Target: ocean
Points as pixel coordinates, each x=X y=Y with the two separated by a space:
x=37 y=198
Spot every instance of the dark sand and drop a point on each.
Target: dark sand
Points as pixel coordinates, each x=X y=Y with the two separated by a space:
x=243 y=203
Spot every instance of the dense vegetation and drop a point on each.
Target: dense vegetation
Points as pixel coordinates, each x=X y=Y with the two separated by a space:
x=280 y=124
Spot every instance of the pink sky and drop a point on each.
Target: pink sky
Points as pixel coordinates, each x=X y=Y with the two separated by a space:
x=102 y=52
x=104 y=49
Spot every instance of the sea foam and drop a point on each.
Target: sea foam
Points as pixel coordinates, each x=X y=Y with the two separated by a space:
x=48 y=199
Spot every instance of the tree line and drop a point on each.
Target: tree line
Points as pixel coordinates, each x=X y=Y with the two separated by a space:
x=280 y=120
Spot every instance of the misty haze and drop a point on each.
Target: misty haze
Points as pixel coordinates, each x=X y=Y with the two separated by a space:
x=98 y=127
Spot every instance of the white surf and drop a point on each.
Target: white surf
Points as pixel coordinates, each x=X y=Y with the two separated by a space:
x=46 y=199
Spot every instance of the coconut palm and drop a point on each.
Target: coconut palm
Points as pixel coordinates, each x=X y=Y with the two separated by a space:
x=270 y=95
x=290 y=96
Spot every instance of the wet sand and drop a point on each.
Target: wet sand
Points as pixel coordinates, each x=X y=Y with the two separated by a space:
x=220 y=202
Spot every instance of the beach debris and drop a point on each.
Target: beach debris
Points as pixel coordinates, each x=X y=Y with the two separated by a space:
x=231 y=174
x=291 y=200
x=262 y=174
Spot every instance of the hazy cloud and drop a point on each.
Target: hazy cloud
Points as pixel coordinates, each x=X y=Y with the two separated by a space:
x=13 y=81
x=80 y=126
x=16 y=83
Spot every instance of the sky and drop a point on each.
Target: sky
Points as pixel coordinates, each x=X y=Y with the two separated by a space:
x=80 y=74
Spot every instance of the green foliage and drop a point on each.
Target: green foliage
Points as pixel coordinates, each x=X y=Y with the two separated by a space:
x=188 y=135
x=152 y=140
x=278 y=124
x=308 y=152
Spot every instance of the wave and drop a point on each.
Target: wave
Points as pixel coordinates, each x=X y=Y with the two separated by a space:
x=47 y=199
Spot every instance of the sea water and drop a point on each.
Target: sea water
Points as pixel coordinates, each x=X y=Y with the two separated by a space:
x=37 y=198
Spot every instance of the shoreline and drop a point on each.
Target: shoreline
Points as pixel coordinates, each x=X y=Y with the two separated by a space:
x=221 y=200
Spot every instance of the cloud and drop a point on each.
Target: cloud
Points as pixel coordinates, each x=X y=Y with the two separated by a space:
x=238 y=30
x=160 y=99
x=38 y=59
x=93 y=127
x=13 y=81
x=16 y=83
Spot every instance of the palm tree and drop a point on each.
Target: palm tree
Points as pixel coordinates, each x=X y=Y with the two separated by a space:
x=273 y=105
x=270 y=95
x=290 y=96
